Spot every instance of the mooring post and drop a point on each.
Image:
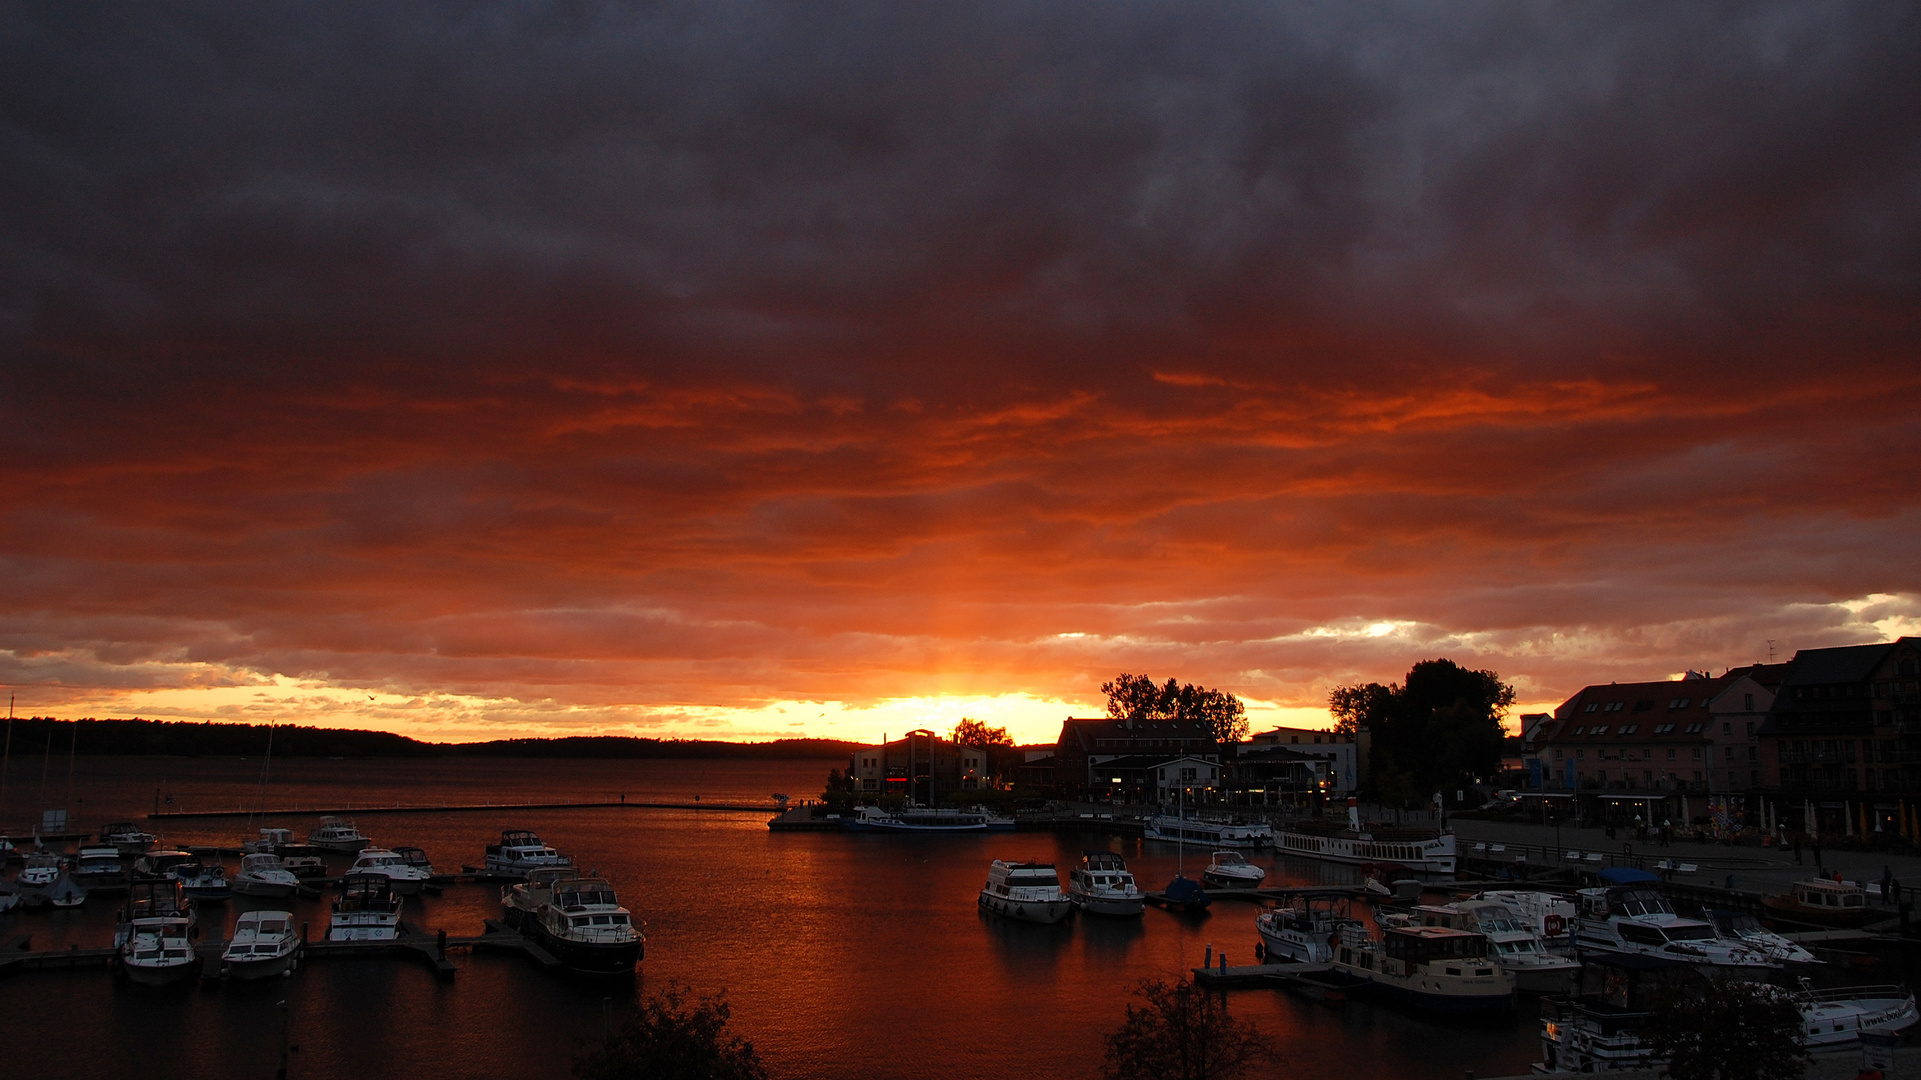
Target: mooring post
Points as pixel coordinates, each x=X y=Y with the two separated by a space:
x=1209 y=962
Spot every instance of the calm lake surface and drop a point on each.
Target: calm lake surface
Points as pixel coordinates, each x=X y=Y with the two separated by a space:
x=842 y=955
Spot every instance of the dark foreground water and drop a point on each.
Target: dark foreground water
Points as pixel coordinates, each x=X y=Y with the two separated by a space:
x=841 y=955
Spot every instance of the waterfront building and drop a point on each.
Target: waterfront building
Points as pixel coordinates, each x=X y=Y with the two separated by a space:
x=1106 y=758
x=1840 y=748
x=921 y=766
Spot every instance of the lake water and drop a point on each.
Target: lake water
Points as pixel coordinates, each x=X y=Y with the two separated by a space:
x=842 y=955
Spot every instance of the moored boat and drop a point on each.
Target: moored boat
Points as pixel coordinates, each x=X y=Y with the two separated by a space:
x=206 y=884
x=162 y=863
x=38 y=874
x=1429 y=968
x=1742 y=927
x=1550 y=915
x=1637 y=919
x=337 y=834
x=579 y=920
x=521 y=851
x=127 y=838
x=1208 y=831
x=367 y=909
x=269 y=842
x=1821 y=901
x=1102 y=885
x=154 y=934
x=100 y=869
x=1418 y=850
x=1230 y=870
x=1305 y=930
x=264 y=944
x=404 y=879
x=922 y=819
x=1030 y=892
x=1511 y=943
x=262 y=874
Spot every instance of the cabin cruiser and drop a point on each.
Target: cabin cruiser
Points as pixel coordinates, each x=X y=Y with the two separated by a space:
x=924 y=819
x=269 y=842
x=365 y=910
x=154 y=935
x=1599 y=1029
x=1305 y=931
x=264 y=944
x=1102 y=885
x=1739 y=926
x=304 y=866
x=337 y=834
x=98 y=869
x=162 y=863
x=1432 y=968
x=1549 y=915
x=1636 y=919
x=127 y=838
x=1229 y=870
x=1829 y=903
x=404 y=878
x=520 y=852
x=578 y=919
x=205 y=884
x=38 y=875
x=1511 y=944
x=415 y=857
x=262 y=874
x=1210 y=832
x=1027 y=891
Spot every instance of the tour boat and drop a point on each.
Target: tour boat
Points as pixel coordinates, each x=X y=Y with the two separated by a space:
x=1600 y=1029
x=98 y=869
x=1431 y=968
x=1636 y=919
x=1742 y=927
x=1210 y=832
x=578 y=920
x=1027 y=891
x=1550 y=915
x=1829 y=903
x=365 y=910
x=922 y=819
x=1102 y=885
x=264 y=944
x=1228 y=870
x=154 y=934
x=127 y=838
x=205 y=884
x=1304 y=931
x=520 y=852
x=405 y=879
x=1511 y=943
x=337 y=834
x=1416 y=850
x=262 y=874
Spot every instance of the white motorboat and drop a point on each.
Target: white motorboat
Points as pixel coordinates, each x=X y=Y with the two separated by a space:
x=1306 y=930
x=367 y=909
x=1549 y=915
x=577 y=919
x=1740 y=926
x=269 y=842
x=520 y=852
x=163 y=863
x=337 y=834
x=203 y=883
x=1636 y=919
x=40 y=870
x=154 y=934
x=1102 y=885
x=1027 y=891
x=1430 y=968
x=127 y=838
x=404 y=878
x=415 y=857
x=99 y=869
x=1210 y=832
x=261 y=874
x=264 y=944
x=1511 y=944
x=1229 y=870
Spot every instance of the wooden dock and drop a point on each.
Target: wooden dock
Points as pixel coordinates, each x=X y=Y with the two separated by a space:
x=1158 y=897
x=1221 y=977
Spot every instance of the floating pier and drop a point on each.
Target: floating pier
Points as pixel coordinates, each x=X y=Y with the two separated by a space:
x=1222 y=977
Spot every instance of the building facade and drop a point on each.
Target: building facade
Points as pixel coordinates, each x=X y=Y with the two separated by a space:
x=1116 y=760
x=920 y=765
x=1840 y=747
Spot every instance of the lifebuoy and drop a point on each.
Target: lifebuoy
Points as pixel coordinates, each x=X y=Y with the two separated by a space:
x=1554 y=925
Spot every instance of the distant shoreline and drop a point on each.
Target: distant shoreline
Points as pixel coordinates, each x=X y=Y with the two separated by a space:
x=37 y=736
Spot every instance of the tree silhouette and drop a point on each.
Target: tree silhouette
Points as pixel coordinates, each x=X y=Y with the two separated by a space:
x=1138 y=697
x=1441 y=728
x=671 y=1039
x=1725 y=1030
x=1181 y=1032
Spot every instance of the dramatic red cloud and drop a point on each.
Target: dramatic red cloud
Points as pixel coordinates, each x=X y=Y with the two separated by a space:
x=654 y=369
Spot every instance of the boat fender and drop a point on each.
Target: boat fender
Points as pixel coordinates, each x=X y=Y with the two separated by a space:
x=1260 y=950
x=1554 y=925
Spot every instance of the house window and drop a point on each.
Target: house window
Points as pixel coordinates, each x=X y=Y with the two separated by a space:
x=1730 y=754
x=1188 y=774
x=1601 y=729
x=1670 y=753
x=1591 y=706
x=1697 y=755
x=1747 y=702
x=1295 y=739
x=1579 y=753
x=1727 y=728
x=1697 y=776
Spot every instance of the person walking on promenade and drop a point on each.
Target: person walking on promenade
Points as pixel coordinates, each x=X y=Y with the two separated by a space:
x=1894 y=890
x=1797 y=849
x=1887 y=884
x=1815 y=841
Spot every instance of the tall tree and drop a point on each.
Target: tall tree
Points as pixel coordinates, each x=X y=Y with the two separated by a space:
x=670 y=1038
x=1725 y=1030
x=1440 y=728
x=974 y=733
x=1181 y=1032
x=1138 y=697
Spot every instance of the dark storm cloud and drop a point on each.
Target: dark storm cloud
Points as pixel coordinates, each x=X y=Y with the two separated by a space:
x=725 y=352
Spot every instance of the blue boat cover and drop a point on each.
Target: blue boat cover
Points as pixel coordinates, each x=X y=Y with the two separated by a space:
x=1186 y=891
x=1626 y=875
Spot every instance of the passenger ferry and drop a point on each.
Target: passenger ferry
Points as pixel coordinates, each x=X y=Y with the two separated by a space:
x=1026 y=891
x=922 y=819
x=1218 y=834
x=1419 y=850
x=1102 y=885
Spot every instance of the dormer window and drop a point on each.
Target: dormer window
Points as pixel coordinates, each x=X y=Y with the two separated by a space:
x=1599 y=729
x=1591 y=706
x=1629 y=729
x=1577 y=731
x=1679 y=703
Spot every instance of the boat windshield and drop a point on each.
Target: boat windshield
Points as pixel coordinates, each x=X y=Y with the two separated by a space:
x=1689 y=932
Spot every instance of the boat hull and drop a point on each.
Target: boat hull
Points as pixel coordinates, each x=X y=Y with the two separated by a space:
x=344 y=847
x=1228 y=881
x=1113 y=906
x=156 y=975
x=271 y=890
x=1207 y=833
x=588 y=958
x=1437 y=855
x=262 y=967
x=1410 y=995
x=1545 y=980
x=1045 y=912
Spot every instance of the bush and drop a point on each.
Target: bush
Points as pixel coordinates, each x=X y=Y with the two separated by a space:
x=1182 y=1032
x=1726 y=1030
x=670 y=1039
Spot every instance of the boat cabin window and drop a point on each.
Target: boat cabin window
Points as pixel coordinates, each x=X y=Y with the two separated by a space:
x=1410 y=948
x=1690 y=933
x=1642 y=935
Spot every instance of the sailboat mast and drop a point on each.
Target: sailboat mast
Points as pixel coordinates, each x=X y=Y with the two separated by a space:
x=6 y=757
x=266 y=765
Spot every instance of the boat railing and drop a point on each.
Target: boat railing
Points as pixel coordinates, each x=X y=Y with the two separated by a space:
x=1852 y=993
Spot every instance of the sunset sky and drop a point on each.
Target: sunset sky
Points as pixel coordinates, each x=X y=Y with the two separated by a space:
x=736 y=370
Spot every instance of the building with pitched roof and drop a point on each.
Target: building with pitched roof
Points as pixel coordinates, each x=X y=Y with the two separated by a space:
x=1841 y=743
x=1105 y=758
